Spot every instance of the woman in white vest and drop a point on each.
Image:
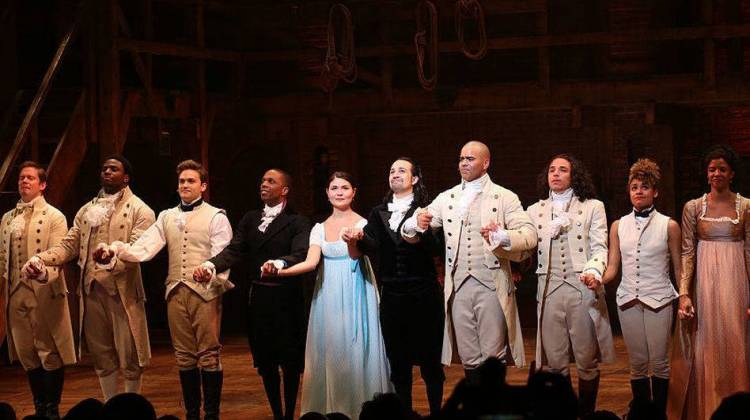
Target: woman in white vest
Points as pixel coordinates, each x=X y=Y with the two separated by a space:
x=572 y=256
x=645 y=241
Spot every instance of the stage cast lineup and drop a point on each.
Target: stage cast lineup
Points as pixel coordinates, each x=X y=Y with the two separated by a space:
x=369 y=324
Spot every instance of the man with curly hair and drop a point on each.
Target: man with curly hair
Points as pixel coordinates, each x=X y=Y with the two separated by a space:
x=572 y=256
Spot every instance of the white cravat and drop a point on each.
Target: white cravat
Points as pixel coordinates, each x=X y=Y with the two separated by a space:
x=270 y=213
x=398 y=208
x=562 y=218
x=471 y=190
x=18 y=223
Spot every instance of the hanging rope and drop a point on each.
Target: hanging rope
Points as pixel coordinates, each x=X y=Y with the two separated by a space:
x=426 y=41
x=465 y=10
x=341 y=64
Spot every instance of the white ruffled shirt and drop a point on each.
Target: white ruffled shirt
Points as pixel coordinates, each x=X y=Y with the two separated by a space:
x=398 y=208
x=102 y=208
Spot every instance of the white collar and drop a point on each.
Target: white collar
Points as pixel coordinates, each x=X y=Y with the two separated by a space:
x=403 y=201
x=477 y=184
x=275 y=209
x=561 y=197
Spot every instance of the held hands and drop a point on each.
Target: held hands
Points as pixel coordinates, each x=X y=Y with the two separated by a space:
x=686 y=309
x=271 y=268
x=589 y=280
x=424 y=218
x=352 y=235
x=204 y=272
x=35 y=269
x=103 y=254
x=487 y=230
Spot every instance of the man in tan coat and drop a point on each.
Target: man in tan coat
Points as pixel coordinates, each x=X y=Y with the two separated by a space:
x=485 y=228
x=113 y=315
x=39 y=331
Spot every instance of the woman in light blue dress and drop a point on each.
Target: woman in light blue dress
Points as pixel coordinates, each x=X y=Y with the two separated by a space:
x=345 y=360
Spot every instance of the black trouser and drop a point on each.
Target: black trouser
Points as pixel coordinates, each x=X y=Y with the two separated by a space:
x=412 y=318
x=276 y=334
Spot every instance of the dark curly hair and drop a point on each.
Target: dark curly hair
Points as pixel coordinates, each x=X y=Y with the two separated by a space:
x=421 y=198
x=730 y=156
x=722 y=151
x=580 y=179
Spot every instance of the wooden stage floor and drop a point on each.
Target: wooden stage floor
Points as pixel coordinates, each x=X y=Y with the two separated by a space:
x=243 y=396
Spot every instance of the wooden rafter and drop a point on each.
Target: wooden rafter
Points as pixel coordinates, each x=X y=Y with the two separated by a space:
x=712 y=32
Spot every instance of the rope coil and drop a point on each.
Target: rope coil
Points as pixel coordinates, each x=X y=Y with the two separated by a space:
x=466 y=10
x=341 y=64
x=426 y=41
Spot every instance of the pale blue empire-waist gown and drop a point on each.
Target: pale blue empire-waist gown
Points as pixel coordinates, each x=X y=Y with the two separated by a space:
x=345 y=360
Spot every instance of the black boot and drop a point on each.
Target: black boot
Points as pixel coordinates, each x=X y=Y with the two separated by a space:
x=587 y=391
x=660 y=388
x=212 y=393
x=433 y=377
x=191 y=393
x=53 y=387
x=641 y=389
x=36 y=383
x=401 y=378
x=291 y=387
x=472 y=376
x=272 y=385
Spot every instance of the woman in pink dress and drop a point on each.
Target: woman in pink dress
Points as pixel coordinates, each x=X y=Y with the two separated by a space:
x=712 y=353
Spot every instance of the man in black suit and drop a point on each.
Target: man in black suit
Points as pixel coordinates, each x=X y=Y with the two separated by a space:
x=411 y=306
x=276 y=237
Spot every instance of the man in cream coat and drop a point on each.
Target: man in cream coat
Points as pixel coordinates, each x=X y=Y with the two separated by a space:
x=39 y=331
x=572 y=257
x=113 y=315
x=485 y=228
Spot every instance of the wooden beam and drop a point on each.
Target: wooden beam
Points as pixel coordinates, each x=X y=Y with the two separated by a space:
x=69 y=154
x=709 y=46
x=108 y=72
x=543 y=52
x=141 y=68
x=38 y=101
x=494 y=7
x=505 y=43
x=677 y=89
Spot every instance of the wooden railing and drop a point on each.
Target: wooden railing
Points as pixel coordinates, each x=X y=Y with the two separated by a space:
x=27 y=125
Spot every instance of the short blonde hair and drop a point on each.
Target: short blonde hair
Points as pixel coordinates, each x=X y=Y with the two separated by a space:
x=645 y=170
